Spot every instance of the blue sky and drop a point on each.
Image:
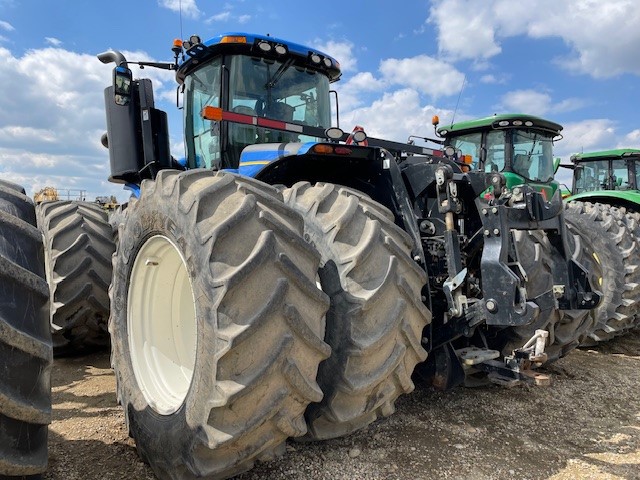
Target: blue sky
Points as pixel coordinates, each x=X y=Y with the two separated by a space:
x=572 y=61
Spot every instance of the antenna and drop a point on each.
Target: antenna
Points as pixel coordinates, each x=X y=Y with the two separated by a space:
x=464 y=80
x=181 y=35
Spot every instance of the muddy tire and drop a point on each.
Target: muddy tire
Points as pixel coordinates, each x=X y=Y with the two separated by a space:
x=78 y=249
x=612 y=247
x=376 y=318
x=567 y=328
x=25 y=341
x=216 y=323
x=632 y=222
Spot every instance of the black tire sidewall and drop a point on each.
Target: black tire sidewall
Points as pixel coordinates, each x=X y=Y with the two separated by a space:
x=162 y=432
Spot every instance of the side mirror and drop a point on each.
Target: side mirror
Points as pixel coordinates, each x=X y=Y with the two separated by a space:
x=122 y=79
x=556 y=164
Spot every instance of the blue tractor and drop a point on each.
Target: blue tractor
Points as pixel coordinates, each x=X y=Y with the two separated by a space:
x=286 y=278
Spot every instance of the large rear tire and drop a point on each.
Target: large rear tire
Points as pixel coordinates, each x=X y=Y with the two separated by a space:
x=567 y=328
x=376 y=318
x=216 y=323
x=25 y=341
x=78 y=249
x=611 y=246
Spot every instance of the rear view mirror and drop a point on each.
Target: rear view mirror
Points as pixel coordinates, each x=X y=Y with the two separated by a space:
x=122 y=79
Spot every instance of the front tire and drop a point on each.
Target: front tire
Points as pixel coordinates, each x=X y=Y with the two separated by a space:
x=25 y=341
x=216 y=323
x=376 y=318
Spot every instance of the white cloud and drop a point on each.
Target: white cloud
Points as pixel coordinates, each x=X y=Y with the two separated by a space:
x=50 y=127
x=6 y=26
x=603 y=36
x=491 y=79
x=534 y=102
x=228 y=16
x=585 y=136
x=426 y=74
x=633 y=138
x=53 y=41
x=220 y=17
x=395 y=116
x=189 y=7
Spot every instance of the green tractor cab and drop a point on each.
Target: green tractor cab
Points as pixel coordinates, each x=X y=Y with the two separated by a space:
x=516 y=145
x=609 y=176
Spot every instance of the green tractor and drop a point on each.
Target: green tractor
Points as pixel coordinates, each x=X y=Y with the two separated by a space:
x=25 y=340
x=520 y=147
x=604 y=206
x=285 y=278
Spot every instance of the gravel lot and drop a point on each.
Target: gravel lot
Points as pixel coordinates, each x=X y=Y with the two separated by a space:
x=586 y=425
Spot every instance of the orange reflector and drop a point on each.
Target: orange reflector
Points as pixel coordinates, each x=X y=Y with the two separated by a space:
x=435 y=120
x=468 y=159
x=233 y=39
x=177 y=43
x=320 y=148
x=211 y=113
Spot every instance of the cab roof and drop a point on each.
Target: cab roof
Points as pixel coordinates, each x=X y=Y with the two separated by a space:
x=507 y=120
x=251 y=44
x=605 y=155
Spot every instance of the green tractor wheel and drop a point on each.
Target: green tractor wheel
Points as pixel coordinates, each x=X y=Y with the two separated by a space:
x=631 y=220
x=376 y=319
x=25 y=340
x=612 y=247
x=216 y=323
x=567 y=328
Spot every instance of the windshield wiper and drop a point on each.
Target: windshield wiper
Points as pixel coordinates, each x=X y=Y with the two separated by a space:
x=278 y=75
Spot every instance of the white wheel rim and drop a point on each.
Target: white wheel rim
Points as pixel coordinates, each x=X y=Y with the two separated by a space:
x=161 y=324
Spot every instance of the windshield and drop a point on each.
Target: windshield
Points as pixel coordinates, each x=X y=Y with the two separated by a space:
x=620 y=179
x=591 y=176
x=266 y=88
x=533 y=155
x=471 y=145
x=282 y=91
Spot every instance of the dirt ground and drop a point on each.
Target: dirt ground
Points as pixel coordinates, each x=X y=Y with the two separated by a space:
x=586 y=425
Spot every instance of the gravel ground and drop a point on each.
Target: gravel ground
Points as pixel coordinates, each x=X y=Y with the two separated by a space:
x=585 y=425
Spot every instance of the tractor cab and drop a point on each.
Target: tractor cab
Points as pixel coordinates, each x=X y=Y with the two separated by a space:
x=252 y=78
x=616 y=170
x=518 y=146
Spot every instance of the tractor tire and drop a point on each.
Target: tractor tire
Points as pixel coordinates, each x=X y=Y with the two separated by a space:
x=216 y=323
x=118 y=216
x=567 y=328
x=25 y=340
x=78 y=249
x=631 y=220
x=612 y=248
x=376 y=318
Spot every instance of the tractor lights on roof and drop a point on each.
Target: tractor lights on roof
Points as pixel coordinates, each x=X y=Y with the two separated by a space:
x=193 y=40
x=320 y=60
x=514 y=123
x=267 y=47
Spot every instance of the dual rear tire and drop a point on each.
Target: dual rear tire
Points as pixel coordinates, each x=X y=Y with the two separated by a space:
x=25 y=341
